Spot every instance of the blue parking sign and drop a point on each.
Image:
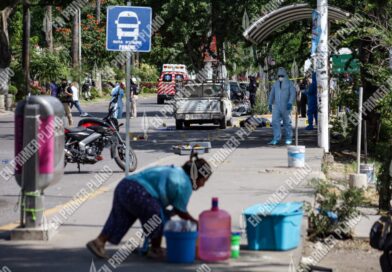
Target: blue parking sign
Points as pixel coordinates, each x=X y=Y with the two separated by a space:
x=128 y=28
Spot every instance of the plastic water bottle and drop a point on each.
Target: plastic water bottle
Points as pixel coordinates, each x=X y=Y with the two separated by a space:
x=214 y=234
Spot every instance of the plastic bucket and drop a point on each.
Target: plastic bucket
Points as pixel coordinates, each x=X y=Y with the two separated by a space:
x=235 y=244
x=368 y=170
x=296 y=155
x=274 y=226
x=181 y=247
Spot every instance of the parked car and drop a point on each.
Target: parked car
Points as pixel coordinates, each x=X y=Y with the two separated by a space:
x=204 y=103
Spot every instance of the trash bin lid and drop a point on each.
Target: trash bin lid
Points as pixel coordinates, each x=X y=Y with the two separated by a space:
x=274 y=209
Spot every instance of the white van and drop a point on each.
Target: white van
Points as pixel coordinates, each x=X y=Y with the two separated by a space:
x=127 y=25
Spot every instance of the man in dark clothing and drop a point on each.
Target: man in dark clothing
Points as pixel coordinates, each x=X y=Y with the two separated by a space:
x=252 y=88
x=53 y=88
x=301 y=105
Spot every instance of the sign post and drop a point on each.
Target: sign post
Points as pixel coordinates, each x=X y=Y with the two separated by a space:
x=128 y=29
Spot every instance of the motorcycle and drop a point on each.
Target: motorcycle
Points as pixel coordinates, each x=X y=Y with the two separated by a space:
x=84 y=144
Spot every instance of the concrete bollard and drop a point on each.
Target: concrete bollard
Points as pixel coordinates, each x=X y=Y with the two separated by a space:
x=358 y=181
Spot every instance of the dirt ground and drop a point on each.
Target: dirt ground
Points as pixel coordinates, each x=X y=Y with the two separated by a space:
x=348 y=256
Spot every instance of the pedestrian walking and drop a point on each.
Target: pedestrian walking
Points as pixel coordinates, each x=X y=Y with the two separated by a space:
x=65 y=96
x=280 y=103
x=53 y=88
x=312 y=102
x=117 y=96
x=75 y=99
x=145 y=196
x=134 y=98
x=252 y=88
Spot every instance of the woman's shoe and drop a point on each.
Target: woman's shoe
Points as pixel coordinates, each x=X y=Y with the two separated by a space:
x=288 y=142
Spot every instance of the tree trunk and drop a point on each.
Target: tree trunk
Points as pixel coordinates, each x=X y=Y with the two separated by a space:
x=26 y=46
x=75 y=40
x=5 y=52
x=48 y=28
x=98 y=11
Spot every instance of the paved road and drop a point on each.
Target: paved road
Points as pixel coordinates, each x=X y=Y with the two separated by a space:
x=156 y=147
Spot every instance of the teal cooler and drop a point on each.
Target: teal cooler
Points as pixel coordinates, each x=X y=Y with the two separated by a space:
x=181 y=246
x=274 y=226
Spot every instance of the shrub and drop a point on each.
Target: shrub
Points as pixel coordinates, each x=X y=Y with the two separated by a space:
x=12 y=90
x=146 y=72
x=94 y=93
x=261 y=106
x=146 y=90
x=106 y=91
x=334 y=208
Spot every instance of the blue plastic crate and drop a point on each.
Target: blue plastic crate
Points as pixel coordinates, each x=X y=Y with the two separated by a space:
x=274 y=226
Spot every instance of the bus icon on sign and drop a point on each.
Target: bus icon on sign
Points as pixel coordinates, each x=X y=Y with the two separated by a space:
x=127 y=25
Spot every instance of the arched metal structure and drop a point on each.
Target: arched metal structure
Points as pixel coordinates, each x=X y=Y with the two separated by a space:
x=265 y=25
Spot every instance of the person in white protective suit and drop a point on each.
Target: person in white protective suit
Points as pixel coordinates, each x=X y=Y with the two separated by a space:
x=280 y=103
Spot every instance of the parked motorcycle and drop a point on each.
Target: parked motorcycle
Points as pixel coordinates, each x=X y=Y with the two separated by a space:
x=84 y=144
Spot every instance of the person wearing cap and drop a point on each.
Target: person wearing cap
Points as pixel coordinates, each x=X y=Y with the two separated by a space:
x=144 y=196
x=280 y=103
x=117 y=95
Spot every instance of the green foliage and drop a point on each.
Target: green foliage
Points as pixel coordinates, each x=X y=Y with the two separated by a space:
x=146 y=73
x=261 y=106
x=12 y=90
x=46 y=66
x=94 y=93
x=384 y=183
x=106 y=91
x=146 y=90
x=330 y=199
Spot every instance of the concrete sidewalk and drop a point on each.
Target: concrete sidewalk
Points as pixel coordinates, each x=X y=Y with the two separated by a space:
x=248 y=176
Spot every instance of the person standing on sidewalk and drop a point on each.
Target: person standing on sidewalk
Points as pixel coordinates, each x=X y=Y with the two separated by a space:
x=65 y=96
x=312 y=102
x=145 y=196
x=117 y=96
x=134 y=98
x=252 y=88
x=75 y=99
x=302 y=103
x=280 y=103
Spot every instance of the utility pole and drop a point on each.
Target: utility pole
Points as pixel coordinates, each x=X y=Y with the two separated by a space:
x=127 y=107
x=322 y=70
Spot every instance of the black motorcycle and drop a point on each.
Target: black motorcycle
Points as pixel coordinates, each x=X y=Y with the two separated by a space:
x=84 y=144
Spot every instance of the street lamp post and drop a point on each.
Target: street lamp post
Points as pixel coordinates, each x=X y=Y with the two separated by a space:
x=322 y=70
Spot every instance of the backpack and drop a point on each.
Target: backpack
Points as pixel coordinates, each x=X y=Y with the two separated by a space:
x=380 y=233
x=134 y=89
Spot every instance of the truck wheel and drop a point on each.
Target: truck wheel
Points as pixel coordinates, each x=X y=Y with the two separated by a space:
x=179 y=124
x=223 y=123
x=160 y=100
x=230 y=122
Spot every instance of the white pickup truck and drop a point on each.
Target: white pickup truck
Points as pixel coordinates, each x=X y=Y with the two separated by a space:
x=203 y=103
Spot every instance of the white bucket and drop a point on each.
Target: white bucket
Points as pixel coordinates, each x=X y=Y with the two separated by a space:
x=367 y=169
x=296 y=155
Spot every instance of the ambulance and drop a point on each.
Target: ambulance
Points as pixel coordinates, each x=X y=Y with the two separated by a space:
x=171 y=74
